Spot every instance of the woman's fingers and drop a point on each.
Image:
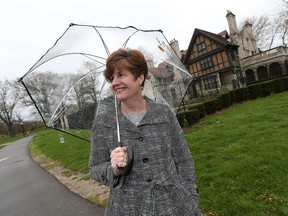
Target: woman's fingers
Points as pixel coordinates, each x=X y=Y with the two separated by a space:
x=118 y=159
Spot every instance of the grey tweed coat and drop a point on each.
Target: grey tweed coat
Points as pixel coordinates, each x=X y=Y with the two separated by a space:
x=162 y=181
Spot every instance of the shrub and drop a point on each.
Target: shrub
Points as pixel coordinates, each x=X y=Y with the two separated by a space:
x=219 y=103
x=226 y=99
x=285 y=83
x=232 y=96
x=192 y=116
x=241 y=94
x=265 y=86
x=211 y=106
x=200 y=107
x=255 y=91
x=270 y=84
x=278 y=85
x=181 y=118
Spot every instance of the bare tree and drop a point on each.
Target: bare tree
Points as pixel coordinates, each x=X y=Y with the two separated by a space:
x=44 y=89
x=261 y=27
x=92 y=82
x=85 y=84
x=282 y=22
x=61 y=95
x=267 y=29
x=8 y=100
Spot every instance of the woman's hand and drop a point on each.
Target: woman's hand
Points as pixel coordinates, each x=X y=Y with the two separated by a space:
x=118 y=159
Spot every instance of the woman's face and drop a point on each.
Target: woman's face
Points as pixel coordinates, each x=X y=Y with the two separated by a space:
x=125 y=86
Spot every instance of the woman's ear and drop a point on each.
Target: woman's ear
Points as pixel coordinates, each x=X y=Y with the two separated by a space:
x=141 y=79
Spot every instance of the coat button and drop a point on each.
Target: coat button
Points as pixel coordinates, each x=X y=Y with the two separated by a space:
x=103 y=177
x=145 y=160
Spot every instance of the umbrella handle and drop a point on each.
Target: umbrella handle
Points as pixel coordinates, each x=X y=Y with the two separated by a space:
x=130 y=159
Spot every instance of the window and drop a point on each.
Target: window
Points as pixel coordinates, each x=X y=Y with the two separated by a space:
x=206 y=63
x=201 y=46
x=210 y=82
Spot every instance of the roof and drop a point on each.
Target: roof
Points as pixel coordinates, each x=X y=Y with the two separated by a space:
x=224 y=34
x=216 y=37
x=220 y=38
x=162 y=71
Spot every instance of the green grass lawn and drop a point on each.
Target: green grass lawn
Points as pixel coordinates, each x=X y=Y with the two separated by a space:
x=6 y=140
x=240 y=157
x=73 y=153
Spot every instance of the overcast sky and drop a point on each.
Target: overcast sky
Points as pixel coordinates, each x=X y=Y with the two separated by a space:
x=30 y=27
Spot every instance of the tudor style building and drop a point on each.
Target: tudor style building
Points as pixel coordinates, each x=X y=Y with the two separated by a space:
x=223 y=61
x=213 y=62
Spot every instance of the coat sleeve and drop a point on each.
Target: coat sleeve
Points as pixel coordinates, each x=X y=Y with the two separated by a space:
x=99 y=161
x=182 y=157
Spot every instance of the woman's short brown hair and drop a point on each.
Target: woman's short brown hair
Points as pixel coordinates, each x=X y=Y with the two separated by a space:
x=130 y=59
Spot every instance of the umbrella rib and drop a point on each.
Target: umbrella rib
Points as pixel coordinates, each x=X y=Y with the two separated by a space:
x=64 y=54
x=104 y=44
x=44 y=54
x=95 y=27
x=33 y=101
x=54 y=128
x=125 y=43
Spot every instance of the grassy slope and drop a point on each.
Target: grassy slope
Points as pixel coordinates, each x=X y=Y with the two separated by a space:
x=241 y=158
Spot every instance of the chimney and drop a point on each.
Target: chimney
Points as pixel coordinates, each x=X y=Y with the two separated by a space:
x=232 y=23
x=248 y=28
x=175 y=46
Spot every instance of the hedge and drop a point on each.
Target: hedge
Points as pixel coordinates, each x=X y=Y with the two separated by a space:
x=226 y=99
x=260 y=89
x=192 y=116
x=255 y=91
x=200 y=107
x=181 y=118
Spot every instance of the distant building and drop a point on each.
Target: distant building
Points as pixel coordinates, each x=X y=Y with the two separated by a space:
x=168 y=80
x=226 y=61
x=213 y=61
x=256 y=65
x=244 y=38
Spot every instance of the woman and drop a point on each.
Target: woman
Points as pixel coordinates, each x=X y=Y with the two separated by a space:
x=162 y=180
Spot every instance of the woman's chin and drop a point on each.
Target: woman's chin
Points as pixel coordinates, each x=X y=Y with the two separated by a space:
x=120 y=96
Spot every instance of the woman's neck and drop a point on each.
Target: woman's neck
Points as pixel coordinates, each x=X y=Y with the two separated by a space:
x=135 y=106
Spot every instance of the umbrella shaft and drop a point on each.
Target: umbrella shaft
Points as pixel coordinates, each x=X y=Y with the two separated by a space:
x=117 y=121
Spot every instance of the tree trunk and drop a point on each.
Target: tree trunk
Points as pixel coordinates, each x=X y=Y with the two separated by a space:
x=10 y=129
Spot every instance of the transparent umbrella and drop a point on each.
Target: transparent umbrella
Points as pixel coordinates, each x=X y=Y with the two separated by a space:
x=67 y=86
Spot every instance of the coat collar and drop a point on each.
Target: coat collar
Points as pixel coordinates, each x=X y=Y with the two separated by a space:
x=154 y=115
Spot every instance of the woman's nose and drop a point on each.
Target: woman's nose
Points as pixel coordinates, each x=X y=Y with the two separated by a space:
x=115 y=81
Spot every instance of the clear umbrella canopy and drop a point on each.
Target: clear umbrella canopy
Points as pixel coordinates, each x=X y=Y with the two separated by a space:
x=67 y=85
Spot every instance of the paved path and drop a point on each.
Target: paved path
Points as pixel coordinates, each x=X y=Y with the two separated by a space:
x=28 y=190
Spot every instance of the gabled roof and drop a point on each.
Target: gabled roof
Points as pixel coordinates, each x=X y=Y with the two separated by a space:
x=224 y=34
x=162 y=71
x=220 y=38
x=216 y=37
